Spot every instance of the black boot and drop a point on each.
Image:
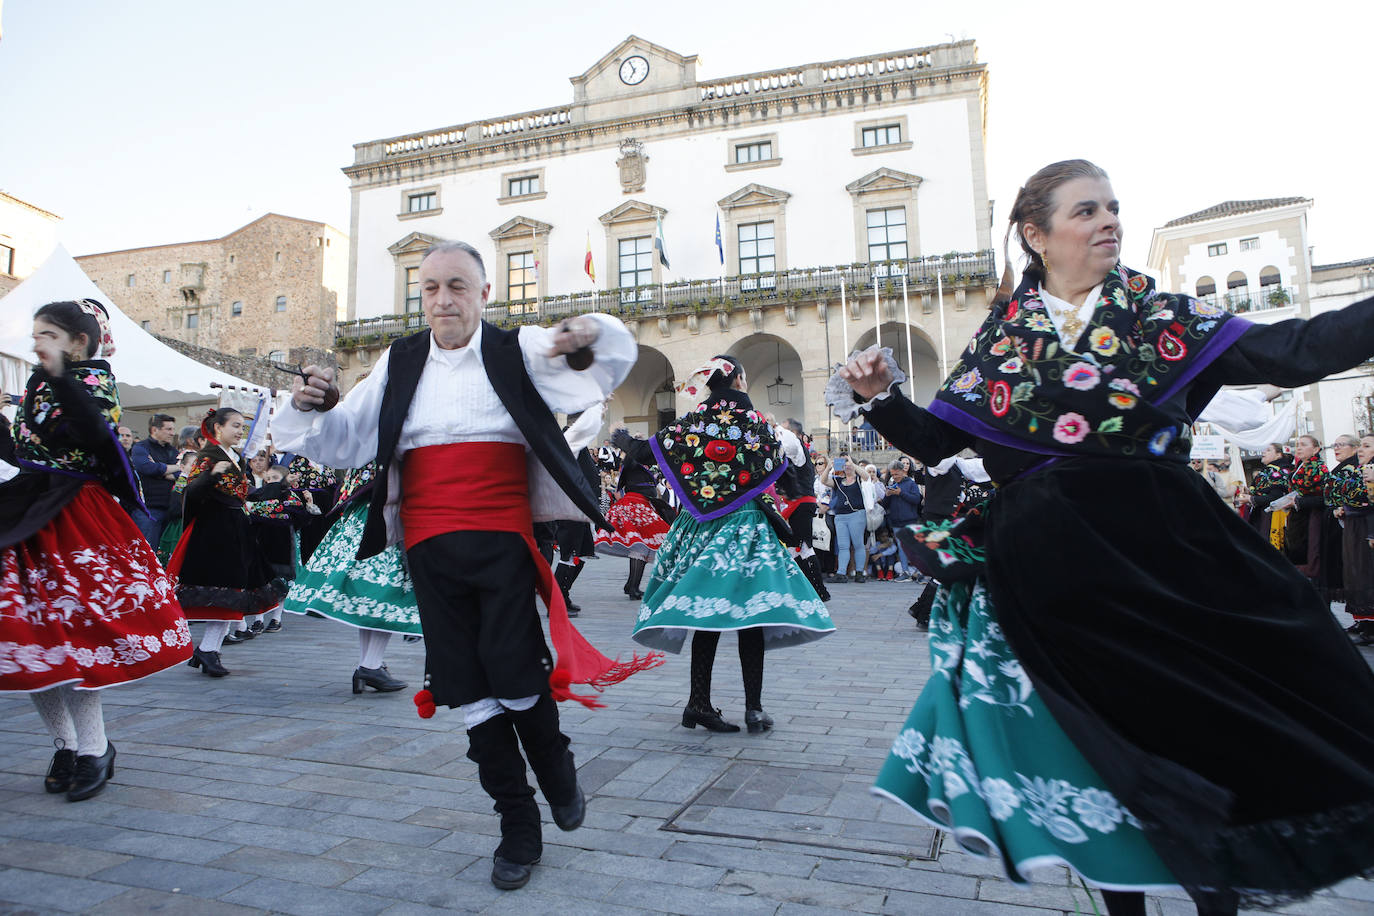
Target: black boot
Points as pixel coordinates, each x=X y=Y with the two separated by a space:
x=699 y=710
x=565 y=576
x=812 y=568
x=61 y=771
x=378 y=679
x=501 y=770
x=92 y=773
x=546 y=748
x=921 y=609
x=209 y=662
x=632 y=583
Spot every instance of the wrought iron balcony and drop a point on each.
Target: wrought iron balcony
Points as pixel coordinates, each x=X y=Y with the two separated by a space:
x=747 y=291
x=1262 y=300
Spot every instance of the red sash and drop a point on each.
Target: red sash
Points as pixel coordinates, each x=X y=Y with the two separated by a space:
x=482 y=486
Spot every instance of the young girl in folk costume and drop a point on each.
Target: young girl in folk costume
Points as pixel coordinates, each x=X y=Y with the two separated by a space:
x=723 y=566
x=637 y=516
x=1126 y=677
x=374 y=595
x=221 y=573
x=84 y=603
x=277 y=511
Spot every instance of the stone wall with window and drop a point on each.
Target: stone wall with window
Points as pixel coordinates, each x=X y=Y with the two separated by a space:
x=275 y=284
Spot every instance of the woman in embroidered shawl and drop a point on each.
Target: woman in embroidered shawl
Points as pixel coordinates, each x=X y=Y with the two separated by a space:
x=1269 y=484
x=1346 y=490
x=374 y=595
x=1129 y=679
x=84 y=603
x=222 y=575
x=722 y=565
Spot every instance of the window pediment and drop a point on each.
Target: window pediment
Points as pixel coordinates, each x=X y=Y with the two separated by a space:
x=519 y=227
x=415 y=243
x=884 y=179
x=754 y=195
x=632 y=211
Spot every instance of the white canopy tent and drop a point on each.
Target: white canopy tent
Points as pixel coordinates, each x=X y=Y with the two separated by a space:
x=152 y=376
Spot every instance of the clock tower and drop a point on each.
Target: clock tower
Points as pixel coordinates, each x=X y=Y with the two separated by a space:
x=635 y=77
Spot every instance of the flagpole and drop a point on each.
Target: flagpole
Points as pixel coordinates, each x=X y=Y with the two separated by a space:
x=877 y=317
x=538 y=299
x=940 y=292
x=910 y=366
x=844 y=319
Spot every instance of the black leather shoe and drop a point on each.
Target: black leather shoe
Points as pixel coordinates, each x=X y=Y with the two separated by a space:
x=709 y=719
x=569 y=816
x=272 y=627
x=633 y=593
x=60 y=771
x=509 y=875
x=92 y=773
x=378 y=679
x=237 y=636
x=257 y=627
x=208 y=662
x=757 y=721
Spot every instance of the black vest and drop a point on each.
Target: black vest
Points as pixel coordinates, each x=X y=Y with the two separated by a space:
x=506 y=370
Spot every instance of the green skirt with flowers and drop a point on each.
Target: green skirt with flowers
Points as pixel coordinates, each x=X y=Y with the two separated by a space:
x=981 y=757
x=730 y=573
x=371 y=594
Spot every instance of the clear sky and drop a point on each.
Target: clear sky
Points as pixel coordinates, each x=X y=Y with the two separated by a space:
x=156 y=121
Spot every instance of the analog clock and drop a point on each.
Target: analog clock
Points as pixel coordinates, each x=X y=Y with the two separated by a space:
x=633 y=70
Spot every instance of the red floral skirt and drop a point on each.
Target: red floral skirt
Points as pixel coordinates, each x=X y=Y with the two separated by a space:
x=85 y=602
x=639 y=530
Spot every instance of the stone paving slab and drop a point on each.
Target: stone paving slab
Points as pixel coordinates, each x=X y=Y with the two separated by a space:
x=277 y=790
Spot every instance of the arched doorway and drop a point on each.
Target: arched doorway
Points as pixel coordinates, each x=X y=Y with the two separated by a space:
x=774 y=370
x=925 y=377
x=644 y=402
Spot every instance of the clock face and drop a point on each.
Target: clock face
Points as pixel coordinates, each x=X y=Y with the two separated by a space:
x=633 y=70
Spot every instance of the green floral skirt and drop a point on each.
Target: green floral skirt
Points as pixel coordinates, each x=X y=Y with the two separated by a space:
x=981 y=757
x=731 y=573
x=372 y=594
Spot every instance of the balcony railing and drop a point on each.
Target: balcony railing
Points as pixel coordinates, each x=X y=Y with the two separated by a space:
x=1264 y=299
x=713 y=295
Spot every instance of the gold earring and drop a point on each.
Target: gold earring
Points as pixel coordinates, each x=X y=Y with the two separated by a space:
x=1044 y=259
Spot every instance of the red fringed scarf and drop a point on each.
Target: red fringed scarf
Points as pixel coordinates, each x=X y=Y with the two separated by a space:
x=482 y=486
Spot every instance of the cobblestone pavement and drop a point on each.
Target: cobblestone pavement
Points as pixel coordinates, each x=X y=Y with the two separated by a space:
x=278 y=790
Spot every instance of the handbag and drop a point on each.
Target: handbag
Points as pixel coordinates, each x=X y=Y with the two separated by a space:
x=820 y=533
x=874 y=518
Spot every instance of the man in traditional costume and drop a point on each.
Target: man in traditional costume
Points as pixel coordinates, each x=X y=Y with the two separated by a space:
x=460 y=420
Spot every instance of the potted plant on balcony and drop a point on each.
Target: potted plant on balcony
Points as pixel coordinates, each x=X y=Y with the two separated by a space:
x=1278 y=297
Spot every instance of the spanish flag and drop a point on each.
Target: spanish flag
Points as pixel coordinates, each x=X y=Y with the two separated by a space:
x=587 y=266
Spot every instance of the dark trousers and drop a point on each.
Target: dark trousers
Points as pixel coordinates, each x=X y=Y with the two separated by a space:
x=475 y=592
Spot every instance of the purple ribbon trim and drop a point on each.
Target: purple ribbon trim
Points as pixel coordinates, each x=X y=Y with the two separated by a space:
x=686 y=500
x=1226 y=335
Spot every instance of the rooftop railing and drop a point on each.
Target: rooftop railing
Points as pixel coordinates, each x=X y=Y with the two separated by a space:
x=707 y=295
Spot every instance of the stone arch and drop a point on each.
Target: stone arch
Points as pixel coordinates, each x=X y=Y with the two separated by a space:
x=1206 y=286
x=766 y=358
x=925 y=354
x=636 y=404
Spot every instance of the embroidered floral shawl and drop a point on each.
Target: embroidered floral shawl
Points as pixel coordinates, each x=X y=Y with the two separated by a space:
x=1018 y=385
x=1270 y=481
x=718 y=457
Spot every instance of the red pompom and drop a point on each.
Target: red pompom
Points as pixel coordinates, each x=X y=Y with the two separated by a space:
x=424 y=704
x=560 y=679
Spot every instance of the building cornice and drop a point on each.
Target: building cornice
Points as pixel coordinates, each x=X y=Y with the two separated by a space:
x=1231 y=222
x=482 y=144
x=28 y=206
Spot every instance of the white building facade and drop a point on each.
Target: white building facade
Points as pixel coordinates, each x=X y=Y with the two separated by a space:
x=1253 y=257
x=845 y=181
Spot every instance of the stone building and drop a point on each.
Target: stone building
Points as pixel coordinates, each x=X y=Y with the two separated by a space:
x=1253 y=257
x=275 y=284
x=858 y=181
x=28 y=234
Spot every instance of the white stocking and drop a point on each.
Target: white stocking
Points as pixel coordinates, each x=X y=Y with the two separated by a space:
x=90 y=721
x=372 y=648
x=56 y=716
x=215 y=631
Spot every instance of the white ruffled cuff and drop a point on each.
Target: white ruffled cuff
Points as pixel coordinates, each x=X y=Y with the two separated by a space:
x=839 y=395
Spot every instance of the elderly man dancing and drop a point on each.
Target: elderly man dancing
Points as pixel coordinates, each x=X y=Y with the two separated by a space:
x=459 y=418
